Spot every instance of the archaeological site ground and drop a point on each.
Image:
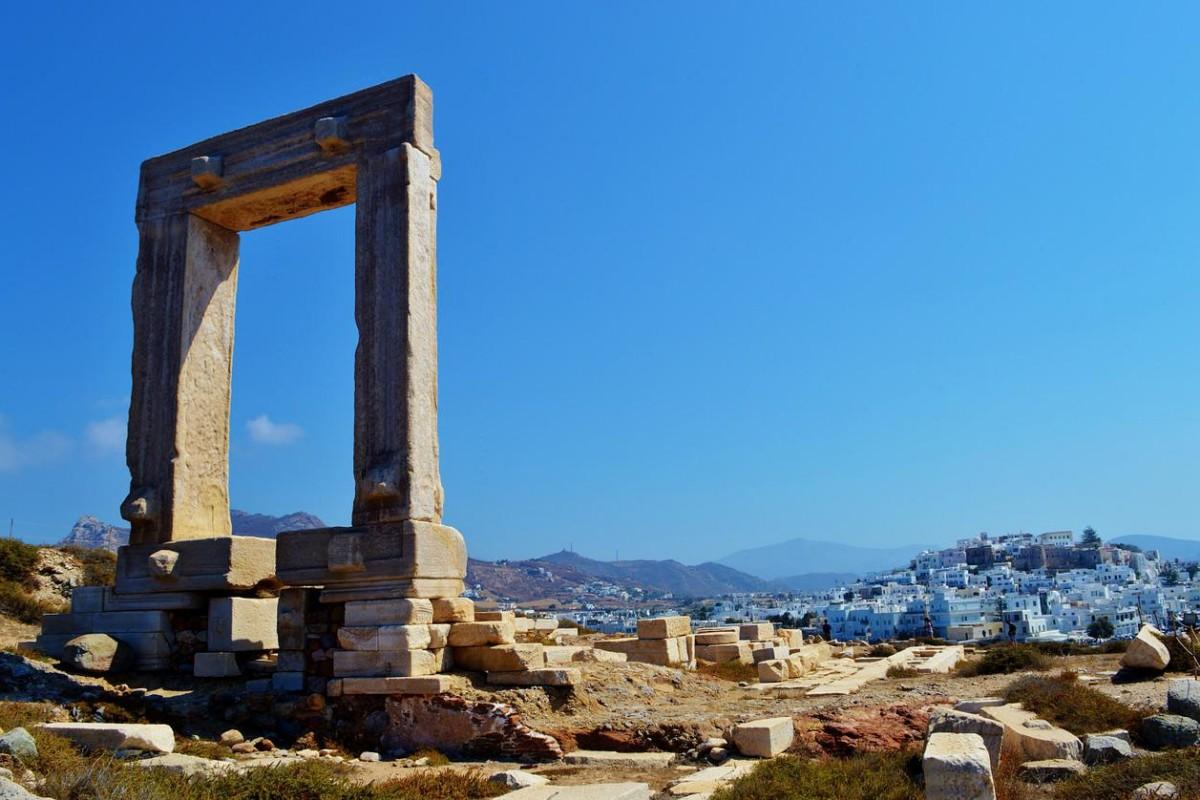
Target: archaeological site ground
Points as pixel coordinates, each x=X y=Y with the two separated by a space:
x=349 y=662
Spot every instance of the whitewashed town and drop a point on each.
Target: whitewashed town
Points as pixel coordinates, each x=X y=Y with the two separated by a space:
x=1048 y=587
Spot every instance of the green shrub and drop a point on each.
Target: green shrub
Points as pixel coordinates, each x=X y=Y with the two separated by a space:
x=898 y=671
x=867 y=776
x=17 y=560
x=1064 y=701
x=883 y=650
x=1005 y=660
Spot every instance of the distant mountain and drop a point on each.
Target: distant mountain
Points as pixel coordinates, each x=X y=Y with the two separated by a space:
x=798 y=556
x=558 y=574
x=816 y=581
x=91 y=532
x=702 y=580
x=88 y=531
x=1167 y=547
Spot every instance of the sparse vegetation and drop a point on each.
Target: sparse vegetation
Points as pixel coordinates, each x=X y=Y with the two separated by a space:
x=436 y=759
x=17 y=602
x=869 y=776
x=99 y=565
x=17 y=560
x=734 y=671
x=1064 y=701
x=1118 y=781
x=1006 y=659
x=897 y=671
x=883 y=650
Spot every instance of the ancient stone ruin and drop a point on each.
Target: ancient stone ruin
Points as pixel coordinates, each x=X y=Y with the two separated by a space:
x=379 y=598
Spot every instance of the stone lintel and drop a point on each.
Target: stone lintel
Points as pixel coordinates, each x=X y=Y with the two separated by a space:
x=219 y=564
x=277 y=170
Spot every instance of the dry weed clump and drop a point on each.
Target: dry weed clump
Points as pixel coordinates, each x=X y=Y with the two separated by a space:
x=1064 y=701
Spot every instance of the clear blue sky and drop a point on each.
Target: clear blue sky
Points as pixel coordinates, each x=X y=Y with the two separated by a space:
x=711 y=275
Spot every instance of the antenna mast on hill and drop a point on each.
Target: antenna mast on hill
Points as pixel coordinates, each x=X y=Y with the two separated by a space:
x=10 y=527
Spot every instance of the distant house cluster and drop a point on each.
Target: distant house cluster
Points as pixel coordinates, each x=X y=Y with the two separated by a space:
x=1023 y=586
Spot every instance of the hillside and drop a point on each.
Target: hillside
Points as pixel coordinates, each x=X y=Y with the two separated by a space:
x=91 y=532
x=816 y=581
x=563 y=575
x=803 y=556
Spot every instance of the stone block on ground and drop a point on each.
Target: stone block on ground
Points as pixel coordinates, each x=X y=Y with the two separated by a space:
x=472 y=634
x=98 y=653
x=1036 y=739
x=546 y=676
x=186 y=765
x=500 y=658
x=756 y=631
x=764 y=738
x=664 y=627
x=423 y=685
x=957 y=767
x=775 y=671
x=1051 y=770
x=946 y=720
x=1156 y=790
x=723 y=653
x=394 y=611
x=772 y=653
x=711 y=636
x=498 y=616
x=242 y=624
x=382 y=663
x=1168 y=731
x=610 y=758
x=975 y=705
x=663 y=652
x=116 y=735
x=591 y=655
x=517 y=779
x=453 y=609
x=215 y=665
x=1146 y=651
x=545 y=624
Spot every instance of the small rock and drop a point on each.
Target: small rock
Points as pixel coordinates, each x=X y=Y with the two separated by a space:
x=368 y=755
x=718 y=755
x=98 y=653
x=308 y=753
x=265 y=745
x=19 y=743
x=242 y=747
x=1158 y=790
x=421 y=762
x=10 y=790
x=327 y=751
x=1099 y=749
x=1050 y=770
x=517 y=779
x=231 y=737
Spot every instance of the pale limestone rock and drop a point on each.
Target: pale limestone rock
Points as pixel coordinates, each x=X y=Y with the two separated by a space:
x=183 y=764
x=764 y=738
x=240 y=624
x=399 y=611
x=116 y=735
x=424 y=685
x=755 y=631
x=1036 y=739
x=471 y=634
x=545 y=676
x=1146 y=651
x=517 y=779
x=957 y=767
x=716 y=636
x=382 y=663
x=945 y=720
x=591 y=791
x=610 y=758
x=500 y=658
x=453 y=609
x=664 y=627
x=499 y=616
x=773 y=671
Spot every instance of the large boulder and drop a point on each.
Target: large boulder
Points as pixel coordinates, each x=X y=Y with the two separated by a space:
x=1164 y=731
x=98 y=653
x=1146 y=651
x=1183 y=698
x=957 y=767
x=116 y=735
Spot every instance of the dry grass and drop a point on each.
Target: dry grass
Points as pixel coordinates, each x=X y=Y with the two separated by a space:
x=1007 y=659
x=1064 y=701
x=1118 y=781
x=734 y=671
x=201 y=747
x=898 y=671
x=436 y=759
x=869 y=776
